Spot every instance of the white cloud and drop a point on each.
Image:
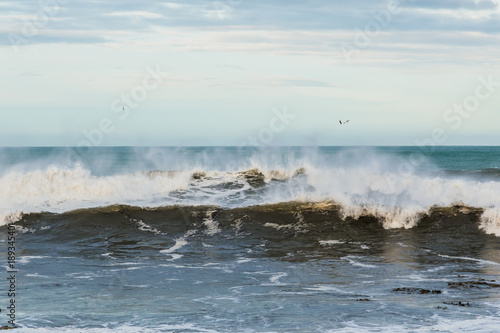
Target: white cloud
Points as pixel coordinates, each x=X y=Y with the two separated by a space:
x=460 y=14
x=136 y=14
x=172 y=5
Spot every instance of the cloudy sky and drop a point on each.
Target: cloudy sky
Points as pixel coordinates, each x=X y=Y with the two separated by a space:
x=198 y=72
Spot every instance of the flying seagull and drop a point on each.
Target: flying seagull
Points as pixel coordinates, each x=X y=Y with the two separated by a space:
x=345 y=122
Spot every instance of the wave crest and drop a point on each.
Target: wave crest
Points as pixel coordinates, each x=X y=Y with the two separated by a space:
x=397 y=201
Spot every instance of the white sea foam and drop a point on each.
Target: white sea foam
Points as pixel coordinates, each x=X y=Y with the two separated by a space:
x=10 y=216
x=146 y=227
x=490 y=221
x=38 y=276
x=486 y=262
x=244 y=260
x=436 y=269
x=211 y=225
x=279 y=226
x=180 y=242
x=58 y=189
x=483 y=324
x=357 y=263
x=330 y=242
x=371 y=184
x=328 y=289
x=27 y=259
x=298 y=227
x=275 y=278
x=126 y=328
x=175 y=256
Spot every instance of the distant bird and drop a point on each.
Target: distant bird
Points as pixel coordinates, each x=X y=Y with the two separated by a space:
x=123 y=108
x=340 y=121
x=345 y=122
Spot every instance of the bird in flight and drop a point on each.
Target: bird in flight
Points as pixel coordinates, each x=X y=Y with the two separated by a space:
x=345 y=122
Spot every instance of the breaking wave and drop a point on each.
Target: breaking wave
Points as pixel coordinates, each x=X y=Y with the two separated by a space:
x=395 y=202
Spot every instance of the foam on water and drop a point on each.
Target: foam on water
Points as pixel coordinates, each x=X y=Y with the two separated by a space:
x=146 y=227
x=486 y=324
x=330 y=242
x=211 y=225
x=175 y=256
x=123 y=329
x=328 y=289
x=180 y=242
x=490 y=221
x=485 y=262
x=276 y=277
x=27 y=259
x=357 y=263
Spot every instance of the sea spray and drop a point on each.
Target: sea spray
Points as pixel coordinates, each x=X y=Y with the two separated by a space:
x=362 y=181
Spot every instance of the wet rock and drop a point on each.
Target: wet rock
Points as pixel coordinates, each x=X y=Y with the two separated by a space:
x=417 y=291
x=198 y=175
x=480 y=284
x=363 y=300
x=254 y=177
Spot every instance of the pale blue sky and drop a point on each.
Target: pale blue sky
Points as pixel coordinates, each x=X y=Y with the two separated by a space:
x=228 y=64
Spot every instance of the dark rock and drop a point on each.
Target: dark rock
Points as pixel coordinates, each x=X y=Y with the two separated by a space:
x=417 y=291
x=254 y=177
x=198 y=175
x=480 y=284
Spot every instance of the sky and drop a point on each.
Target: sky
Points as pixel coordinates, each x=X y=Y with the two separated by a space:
x=249 y=72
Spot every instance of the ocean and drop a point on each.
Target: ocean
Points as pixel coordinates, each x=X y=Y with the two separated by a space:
x=249 y=239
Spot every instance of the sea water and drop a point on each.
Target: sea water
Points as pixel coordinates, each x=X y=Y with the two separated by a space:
x=246 y=239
